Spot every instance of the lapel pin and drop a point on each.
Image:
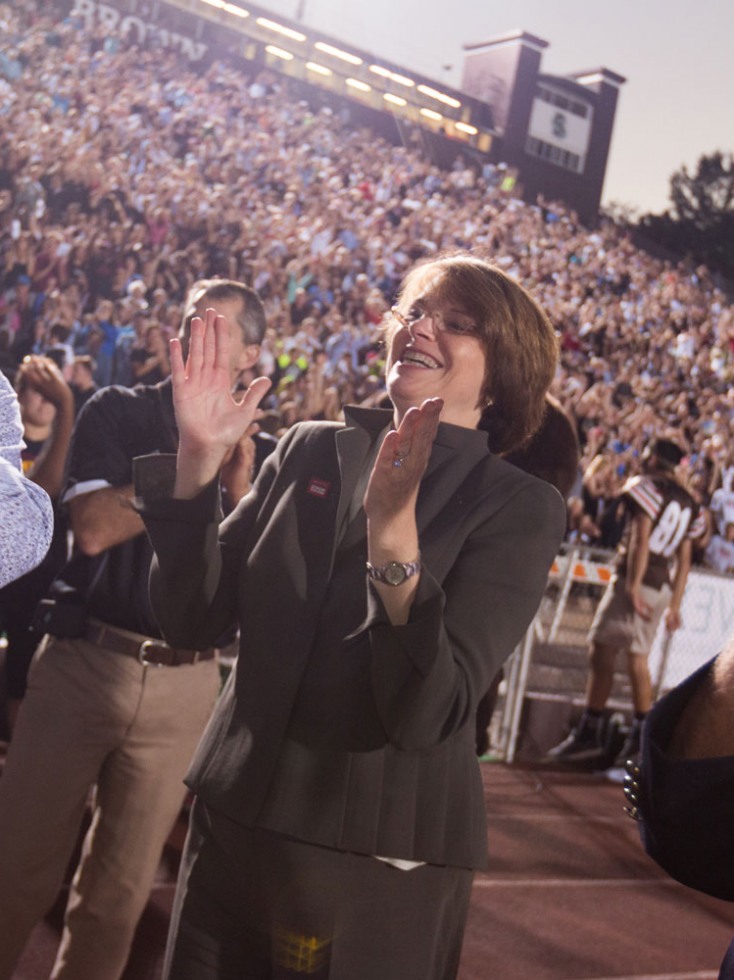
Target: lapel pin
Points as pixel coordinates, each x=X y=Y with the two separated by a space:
x=318 y=487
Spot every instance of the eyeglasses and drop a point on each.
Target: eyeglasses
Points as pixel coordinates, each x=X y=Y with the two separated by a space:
x=457 y=324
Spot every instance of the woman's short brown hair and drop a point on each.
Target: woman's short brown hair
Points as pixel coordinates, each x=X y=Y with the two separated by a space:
x=519 y=341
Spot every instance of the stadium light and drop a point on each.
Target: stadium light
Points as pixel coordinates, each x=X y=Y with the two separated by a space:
x=232 y=8
x=395 y=99
x=466 y=128
x=319 y=69
x=431 y=114
x=393 y=76
x=432 y=93
x=215 y=3
x=362 y=86
x=402 y=80
x=352 y=59
x=279 y=52
x=270 y=25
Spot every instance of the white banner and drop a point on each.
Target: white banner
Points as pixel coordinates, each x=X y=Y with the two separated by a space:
x=125 y=25
x=707 y=612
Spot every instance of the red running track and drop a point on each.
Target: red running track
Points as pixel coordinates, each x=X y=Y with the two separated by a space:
x=570 y=895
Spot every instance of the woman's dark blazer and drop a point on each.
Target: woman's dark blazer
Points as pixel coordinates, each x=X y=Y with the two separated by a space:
x=337 y=727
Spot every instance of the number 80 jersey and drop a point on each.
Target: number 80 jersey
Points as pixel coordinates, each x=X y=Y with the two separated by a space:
x=675 y=516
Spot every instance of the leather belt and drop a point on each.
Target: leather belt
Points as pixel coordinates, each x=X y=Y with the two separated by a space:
x=149 y=652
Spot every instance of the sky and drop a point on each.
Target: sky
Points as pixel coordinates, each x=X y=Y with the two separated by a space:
x=675 y=54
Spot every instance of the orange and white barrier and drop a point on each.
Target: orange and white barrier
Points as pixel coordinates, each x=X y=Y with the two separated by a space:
x=582 y=570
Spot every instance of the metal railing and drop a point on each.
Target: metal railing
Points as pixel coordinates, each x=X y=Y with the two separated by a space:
x=576 y=583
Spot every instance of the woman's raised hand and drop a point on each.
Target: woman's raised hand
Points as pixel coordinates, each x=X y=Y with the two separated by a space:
x=401 y=463
x=210 y=420
x=392 y=492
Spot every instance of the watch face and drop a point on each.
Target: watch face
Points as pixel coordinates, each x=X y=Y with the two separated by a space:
x=395 y=573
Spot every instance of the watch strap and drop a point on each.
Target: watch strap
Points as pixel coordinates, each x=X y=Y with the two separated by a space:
x=394 y=572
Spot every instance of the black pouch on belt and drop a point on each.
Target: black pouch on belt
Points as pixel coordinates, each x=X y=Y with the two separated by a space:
x=63 y=619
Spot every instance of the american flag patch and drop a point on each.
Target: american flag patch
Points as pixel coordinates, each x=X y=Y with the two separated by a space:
x=318 y=488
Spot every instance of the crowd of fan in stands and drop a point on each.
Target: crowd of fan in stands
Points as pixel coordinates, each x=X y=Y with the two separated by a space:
x=126 y=174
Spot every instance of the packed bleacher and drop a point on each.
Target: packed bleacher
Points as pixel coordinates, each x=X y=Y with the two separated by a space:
x=126 y=174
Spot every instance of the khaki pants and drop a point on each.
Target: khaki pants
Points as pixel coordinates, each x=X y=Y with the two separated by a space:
x=93 y=718
x=617 y=624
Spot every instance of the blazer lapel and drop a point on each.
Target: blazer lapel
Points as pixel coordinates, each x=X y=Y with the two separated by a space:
x=456 y=452
x=353 y=443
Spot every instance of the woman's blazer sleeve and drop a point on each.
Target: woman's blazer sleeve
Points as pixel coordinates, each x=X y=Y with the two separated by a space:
x=429 y=674
x=194 y=577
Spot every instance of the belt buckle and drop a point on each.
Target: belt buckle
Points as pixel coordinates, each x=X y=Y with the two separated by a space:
x=142 y=654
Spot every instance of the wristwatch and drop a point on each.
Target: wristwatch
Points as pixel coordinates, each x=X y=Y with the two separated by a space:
x=394 y=572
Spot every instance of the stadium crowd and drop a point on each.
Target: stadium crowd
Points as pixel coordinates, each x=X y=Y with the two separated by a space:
x=126 y=174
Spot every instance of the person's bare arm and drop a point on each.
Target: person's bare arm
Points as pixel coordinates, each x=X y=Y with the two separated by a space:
x=139 y=368
x=238 y=467
x=637 y=558
x=685 y=555
x=705 y=728
x=103 y=518
x=47 y=470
